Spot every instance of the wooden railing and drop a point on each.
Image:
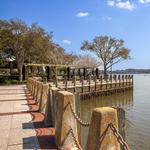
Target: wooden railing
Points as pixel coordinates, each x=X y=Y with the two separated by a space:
x=93 y=84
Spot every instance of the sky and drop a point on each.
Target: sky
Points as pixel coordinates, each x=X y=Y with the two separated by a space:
x=73 y=21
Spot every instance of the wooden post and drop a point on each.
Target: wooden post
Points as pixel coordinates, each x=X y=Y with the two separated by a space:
x=66 y=83
x=126 y=79
x=101 y=80
x=47 y=72
x=89 y=83
x=82 y=82
x=115 y=79
x=129 y=80
x=97 y=73
x=84 y=73
x=48 y=117
x=100 y=136
x=39 y=92
x=32 y=86
x=64 y=73
x=132 y=79
x=23 y=73
x=26 y=72
x=68 y=73
x=119 y=79
x=65 y=121
x=121 y=121
x=123 y=80
x=50 y=72
x=95 y=83
x=79 y=72
x=54 y=105
x=74 y=82
x=56 y=79
x=34 y=91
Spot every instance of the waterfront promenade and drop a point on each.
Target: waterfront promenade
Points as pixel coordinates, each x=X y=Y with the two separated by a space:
x=46 y=116
x=21 y=125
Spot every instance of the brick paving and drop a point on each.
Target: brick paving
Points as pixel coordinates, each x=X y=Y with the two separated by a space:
x=21 y=125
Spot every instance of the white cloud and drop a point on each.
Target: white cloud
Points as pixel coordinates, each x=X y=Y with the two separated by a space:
x=122 y=4
x=67 y=42
x=144 y=1
x=82 y=14
x=111 y=3
x=126 y=5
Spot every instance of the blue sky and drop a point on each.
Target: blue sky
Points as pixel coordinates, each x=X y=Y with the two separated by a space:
x=74 y=21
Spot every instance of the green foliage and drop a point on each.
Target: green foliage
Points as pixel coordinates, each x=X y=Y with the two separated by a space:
x=31 y=44
x=26 y=43
x=9 y=80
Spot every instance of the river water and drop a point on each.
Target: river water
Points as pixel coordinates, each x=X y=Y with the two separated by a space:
x=136 y=104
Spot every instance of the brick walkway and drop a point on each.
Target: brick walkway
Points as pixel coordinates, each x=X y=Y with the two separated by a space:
x=21 y=125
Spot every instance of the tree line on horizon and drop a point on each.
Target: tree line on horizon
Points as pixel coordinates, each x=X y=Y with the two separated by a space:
x=32 y=44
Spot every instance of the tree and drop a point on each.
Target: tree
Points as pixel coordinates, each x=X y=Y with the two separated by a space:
x=12 y=37
x=86 y=61
x=110 y=50
x=57 y=56
x=30 y=44
x=69 y=59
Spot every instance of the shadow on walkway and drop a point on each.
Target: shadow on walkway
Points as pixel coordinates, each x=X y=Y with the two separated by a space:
x=44 y=134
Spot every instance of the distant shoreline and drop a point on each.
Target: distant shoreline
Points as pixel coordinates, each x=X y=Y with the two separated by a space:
x=132 y=71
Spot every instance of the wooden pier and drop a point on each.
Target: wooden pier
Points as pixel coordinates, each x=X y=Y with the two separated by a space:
x=95 y=85
x=83 y=81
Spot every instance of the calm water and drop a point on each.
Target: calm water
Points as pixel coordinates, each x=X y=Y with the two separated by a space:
x=136 y=103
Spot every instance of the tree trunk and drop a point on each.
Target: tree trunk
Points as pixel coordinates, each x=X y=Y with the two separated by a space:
x=20 y=63
x=105 y=71
x=20 y=67
x=11 y=67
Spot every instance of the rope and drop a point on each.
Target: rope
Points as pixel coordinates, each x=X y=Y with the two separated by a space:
x=79 y=120
x=75 y=139
x=119 y=137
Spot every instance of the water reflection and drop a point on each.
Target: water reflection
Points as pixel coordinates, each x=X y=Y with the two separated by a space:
x=123 y=100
